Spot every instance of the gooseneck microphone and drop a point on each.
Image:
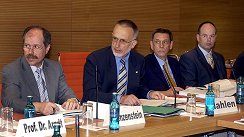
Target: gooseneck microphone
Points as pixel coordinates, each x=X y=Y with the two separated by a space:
x=170 y=83
x=232 y=70
x=96 y=94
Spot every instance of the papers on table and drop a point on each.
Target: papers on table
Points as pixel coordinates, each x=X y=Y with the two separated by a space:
x=227 y=87
x=68 y=112
x=152 y=102
x=199 y=91
x=167 y=101
x=241 y=121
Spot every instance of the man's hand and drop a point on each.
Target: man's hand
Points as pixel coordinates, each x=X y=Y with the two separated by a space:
x=46 y=108
x=71 y=104
x=170 y=91
x=131 y=100
x=156 y=95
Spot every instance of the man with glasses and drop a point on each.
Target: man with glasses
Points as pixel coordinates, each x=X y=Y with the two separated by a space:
x=34 y=75
x=202 y=65
x=117 y=69
x=162 y=72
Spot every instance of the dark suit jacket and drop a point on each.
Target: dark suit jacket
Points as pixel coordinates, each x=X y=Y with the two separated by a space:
x=238 y=67
x=196 y=71
x=105 y=62
x=19 y=82
x=154 y=78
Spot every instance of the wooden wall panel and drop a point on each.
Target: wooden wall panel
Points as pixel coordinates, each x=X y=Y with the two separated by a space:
x=86 y=25
x=102 y=15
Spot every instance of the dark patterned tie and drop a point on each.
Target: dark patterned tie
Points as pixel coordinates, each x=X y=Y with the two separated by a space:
x=41 y=86
x=169 y=77
x=122 y=79
x=210 y=60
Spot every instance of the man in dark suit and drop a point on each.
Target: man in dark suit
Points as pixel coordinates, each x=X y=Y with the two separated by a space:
x=202 y=65
x=33 y=75
x=118 y=69
x=238 y=67
x=156 y=76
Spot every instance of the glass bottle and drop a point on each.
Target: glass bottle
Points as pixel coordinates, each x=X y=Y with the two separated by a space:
x=209 y=101
x=114 y=113
x=29 y=110
x=240 y=90
x=56 y=127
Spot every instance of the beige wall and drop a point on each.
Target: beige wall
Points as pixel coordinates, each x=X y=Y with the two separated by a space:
x=86 y=25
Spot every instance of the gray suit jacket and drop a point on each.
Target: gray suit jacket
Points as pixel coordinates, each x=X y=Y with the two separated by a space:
x=19 y=82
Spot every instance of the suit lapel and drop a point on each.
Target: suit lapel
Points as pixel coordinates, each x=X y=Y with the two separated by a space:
x=217 y=64
x=157 y=69
x=49 y=82
x=30 y=78
x=112 y=70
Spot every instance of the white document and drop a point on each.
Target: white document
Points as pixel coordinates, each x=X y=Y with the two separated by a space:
x=227 y=86
x=199 y=91
x=152 y=102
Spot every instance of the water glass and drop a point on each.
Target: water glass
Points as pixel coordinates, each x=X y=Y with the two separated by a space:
x=216 y=90
x=7 y=121
x=87 y=111
x=191 y=103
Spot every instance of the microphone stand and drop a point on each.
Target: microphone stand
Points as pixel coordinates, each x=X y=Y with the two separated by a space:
x=96 y=95
x=77 y=125
x=170 y=83
x=232 y=70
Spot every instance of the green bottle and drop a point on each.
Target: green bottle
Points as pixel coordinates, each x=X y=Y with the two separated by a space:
x=56 y=127
x=29 y=110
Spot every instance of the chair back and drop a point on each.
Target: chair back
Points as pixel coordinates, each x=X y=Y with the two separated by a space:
x=73 y=66
x=0 y=94
x=174 y=56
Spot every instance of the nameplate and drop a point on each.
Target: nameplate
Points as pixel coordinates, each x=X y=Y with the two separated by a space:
x=130 y=115
x=40 y=126
x=225 y=105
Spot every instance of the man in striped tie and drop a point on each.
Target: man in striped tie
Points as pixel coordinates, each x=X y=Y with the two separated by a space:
x=119 y=69
x=34 y=75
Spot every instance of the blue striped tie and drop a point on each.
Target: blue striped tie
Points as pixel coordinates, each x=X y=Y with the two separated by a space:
x=122 y=79
x=41 y=86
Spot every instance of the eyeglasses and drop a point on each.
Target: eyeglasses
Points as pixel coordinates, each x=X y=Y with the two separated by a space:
x=121 y=41
x=163 y=42
x=36 y=46
x=208 y=36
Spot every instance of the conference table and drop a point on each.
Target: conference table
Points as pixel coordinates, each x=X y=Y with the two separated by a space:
x=170 y=126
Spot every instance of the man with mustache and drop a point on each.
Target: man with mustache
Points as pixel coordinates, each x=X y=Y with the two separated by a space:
x=118 y=68
x=156 y=76
x=202 y=65
x=34 y=75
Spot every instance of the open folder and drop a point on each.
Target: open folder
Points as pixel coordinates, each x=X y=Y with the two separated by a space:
x=161 y=111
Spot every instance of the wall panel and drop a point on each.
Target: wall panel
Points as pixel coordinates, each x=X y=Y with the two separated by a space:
x=86 y=25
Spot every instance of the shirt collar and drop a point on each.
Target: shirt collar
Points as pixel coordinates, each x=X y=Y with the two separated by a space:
x=205 y=53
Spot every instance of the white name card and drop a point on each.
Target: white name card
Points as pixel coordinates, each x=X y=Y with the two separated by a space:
x=130 y=115
x=40 y=126
x=225 y=105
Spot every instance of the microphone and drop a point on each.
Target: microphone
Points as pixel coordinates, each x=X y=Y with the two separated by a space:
x=232 y=70
x=96 y=94
x=170 y=83
x=77 y=125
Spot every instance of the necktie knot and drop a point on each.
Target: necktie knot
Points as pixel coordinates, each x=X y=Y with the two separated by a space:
x=210 y=60
x=41 y=86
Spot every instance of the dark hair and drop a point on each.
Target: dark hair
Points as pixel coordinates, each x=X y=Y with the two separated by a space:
x=46 y=34
x=131 y=24
x=162 y=30
x=206 y=22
